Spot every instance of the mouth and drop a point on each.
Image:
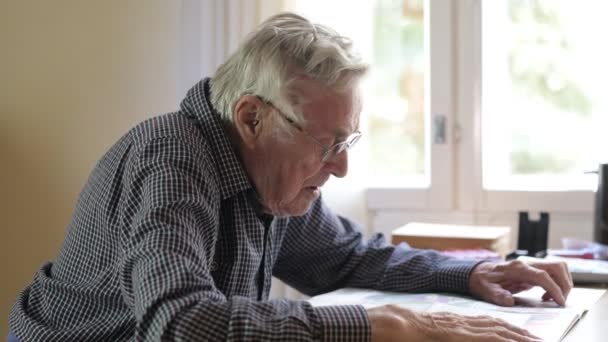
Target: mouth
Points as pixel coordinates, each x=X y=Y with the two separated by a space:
x=314 y=189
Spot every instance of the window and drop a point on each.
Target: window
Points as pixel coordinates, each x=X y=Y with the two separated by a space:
x=500 y=114
x=544 y=109
x=396 y=92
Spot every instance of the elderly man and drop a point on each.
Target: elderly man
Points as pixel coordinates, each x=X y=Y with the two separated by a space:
x=183 y=222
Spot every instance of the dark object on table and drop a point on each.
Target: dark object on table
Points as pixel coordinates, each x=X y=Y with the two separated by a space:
x=601 y=206
x=533 y=235
x=516 y=254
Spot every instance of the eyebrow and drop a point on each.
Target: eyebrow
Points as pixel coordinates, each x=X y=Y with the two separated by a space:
x=341 y=135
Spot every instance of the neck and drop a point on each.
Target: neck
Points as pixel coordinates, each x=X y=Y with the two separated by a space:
x=249 y=164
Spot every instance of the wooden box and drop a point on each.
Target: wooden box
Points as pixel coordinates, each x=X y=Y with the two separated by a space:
x=452 y=237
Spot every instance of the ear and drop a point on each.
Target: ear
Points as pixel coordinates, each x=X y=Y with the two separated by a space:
x=248 y=113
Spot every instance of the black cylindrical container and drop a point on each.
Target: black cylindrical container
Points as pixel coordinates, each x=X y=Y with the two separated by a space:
x=601 y=206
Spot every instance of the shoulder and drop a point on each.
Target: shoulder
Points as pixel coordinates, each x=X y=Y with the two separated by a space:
x=172 y=147
x=173 y=136
x=174 y=125
x=171 y=163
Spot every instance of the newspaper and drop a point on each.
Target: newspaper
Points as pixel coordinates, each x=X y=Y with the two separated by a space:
x=544 y=319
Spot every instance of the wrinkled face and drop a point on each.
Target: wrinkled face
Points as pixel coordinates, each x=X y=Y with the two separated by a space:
x=288 y=173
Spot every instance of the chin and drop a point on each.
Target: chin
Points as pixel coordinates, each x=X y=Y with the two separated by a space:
x=299 y=205
x=297 y=208
x=292 y=210
x=301 y=211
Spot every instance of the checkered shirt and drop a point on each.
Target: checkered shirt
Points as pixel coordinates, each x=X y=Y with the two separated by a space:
x=167 y=243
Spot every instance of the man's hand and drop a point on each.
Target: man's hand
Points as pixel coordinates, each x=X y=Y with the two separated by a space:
x=497 y=282
x=392 y=323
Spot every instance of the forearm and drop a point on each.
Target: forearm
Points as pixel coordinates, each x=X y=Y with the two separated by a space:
x=399 y=268
x=170 y=302
x=241 y=319
x=330 y=253
x=374 y=264
x=173 y=297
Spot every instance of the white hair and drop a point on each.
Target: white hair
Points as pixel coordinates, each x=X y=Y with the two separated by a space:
x=283 y=48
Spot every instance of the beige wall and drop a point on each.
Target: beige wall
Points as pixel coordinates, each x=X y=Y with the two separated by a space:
x=74 y=76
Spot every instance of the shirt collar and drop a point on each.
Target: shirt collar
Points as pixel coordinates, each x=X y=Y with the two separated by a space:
x=233 y=178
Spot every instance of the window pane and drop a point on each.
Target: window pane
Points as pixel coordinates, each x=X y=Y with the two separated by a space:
x=545 y=111
x=390 y=35
x=395 y=99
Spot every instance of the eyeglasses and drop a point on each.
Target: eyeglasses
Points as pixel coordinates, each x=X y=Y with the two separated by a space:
x=328 y=152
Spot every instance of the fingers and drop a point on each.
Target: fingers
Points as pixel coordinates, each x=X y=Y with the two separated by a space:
x=503 y=329
x=519 y=271
x=393 y=323
x=549 y=284
x=478 y=328
x=502 y=334
x=490 y=321
x=559 y=272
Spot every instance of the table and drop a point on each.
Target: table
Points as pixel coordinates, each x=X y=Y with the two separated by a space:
x=593 y=327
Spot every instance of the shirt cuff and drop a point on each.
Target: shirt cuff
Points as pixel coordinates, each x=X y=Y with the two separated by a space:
x=344 y=323
x=453 y=275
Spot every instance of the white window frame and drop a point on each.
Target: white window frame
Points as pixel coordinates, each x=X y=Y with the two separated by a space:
x=439 y=73
x=456 y=167
x=472 y=195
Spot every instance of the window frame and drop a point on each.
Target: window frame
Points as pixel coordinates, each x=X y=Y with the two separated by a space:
x=439 y=83
x=456 y=166
x=473 y=196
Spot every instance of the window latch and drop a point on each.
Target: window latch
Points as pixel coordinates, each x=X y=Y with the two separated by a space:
x=439 y=129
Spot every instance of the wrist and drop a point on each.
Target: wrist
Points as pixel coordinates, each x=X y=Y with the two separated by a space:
x=478 y=273
x=452 y=275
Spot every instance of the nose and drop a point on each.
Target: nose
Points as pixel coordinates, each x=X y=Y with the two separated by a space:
x=338 y=165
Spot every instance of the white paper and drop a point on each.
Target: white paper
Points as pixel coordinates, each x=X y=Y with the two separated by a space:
x=544 y=319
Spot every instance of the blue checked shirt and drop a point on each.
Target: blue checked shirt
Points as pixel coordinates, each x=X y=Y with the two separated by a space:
x=167 y=242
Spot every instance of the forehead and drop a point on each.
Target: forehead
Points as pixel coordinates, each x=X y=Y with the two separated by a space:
x=327 y=111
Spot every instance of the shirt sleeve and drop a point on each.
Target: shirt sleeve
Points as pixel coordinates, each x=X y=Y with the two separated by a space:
x=332 y=254
x=165 y=266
